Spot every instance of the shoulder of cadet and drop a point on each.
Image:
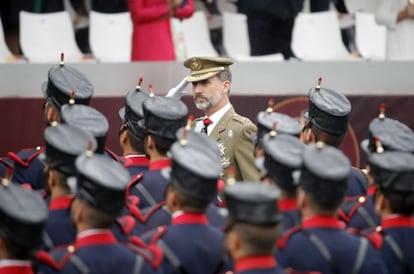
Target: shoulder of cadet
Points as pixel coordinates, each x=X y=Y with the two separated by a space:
x=349 y=207
x=241 y=119
x=152 y=254
x=282 y=241
x=56 y=258
x=372 y=234
x=25 y=156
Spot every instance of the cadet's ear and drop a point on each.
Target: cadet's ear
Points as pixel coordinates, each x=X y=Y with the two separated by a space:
x=226 y=86
x=308 y=136
x=233 y=242
x=123 y=137
x=171 y=199
x=150 y=142
x=302 y=198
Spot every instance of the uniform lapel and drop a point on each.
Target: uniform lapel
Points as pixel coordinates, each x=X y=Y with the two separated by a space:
x=222 y=125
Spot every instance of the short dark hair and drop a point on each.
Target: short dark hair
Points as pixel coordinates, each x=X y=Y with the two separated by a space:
x=225 y=75
x=162 y=145
x=259 y=240
x=188 y=203
x=15 y=251
x=137 y=143
x=97 y=218
x=400 y=202
x=330 y=139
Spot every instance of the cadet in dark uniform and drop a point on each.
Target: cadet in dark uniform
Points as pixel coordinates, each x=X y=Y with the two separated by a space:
x=190 y=244
x=391 y=135
x=58 y=90
x=328 y=117
x=23 y=215
x=283 y=155
x=252 y=228
x=99 y=198
x=321 y=242
x=131 y=135
x=393 y=173
x=63 y=143
x=91 y=120
x=163 y=116
x=267 y=121
x=159 y=215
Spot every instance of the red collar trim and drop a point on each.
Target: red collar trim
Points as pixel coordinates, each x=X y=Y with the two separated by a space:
x=63 y=202
x=398 y=221
x=322 y=221
x=190 y=218
x=136 y=160
x=254 y=262
x=99 y=238
x=16 y=269
x=372 y=189
x=160 y=164
x=289 y=204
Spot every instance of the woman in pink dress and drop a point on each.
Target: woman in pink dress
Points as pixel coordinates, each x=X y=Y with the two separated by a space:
x=152 y=38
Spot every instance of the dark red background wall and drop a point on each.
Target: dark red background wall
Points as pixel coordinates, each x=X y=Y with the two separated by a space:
x=22 y=119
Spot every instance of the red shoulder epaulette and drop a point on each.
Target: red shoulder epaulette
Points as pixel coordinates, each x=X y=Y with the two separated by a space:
x=349 y=207
x=113 y=155
x=155 y=256
x=282 y=241
x=127 y=223
x=44 y=258
x=25 y=161
x=373 y=235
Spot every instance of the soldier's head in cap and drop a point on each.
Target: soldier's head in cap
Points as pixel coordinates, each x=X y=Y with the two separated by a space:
x=63 y=144
x=268 y=121
x=64 y=83
x=394 y=135
x=323 y=180
x=163 y=116
x=195 y=170
x=23 y=216
x=393 y=173
x=253 y=219
x=283 y=156
x=211 y=79
x=88 y=119
x=100 y=191
x=328 y=115
x=131 y=133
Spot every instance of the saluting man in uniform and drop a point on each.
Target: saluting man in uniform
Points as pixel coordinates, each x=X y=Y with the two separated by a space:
x=211 y=79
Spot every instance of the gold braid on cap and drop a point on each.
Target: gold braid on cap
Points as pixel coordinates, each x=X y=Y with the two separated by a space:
x=189 y=121
x=382 y=111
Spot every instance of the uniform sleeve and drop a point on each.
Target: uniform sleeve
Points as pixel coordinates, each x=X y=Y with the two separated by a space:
x=385 y=15
x=185 y=11
x=244 y=153
x=141 y=13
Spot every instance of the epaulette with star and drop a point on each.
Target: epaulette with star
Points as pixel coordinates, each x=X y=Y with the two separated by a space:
x=349 y=207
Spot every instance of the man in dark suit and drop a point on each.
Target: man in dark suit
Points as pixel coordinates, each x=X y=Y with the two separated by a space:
x=211 y=79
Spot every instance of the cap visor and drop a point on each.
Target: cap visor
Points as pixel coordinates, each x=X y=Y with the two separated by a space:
x=121 y=113
x=44 y=89
x=202 y=76
x=364 y=146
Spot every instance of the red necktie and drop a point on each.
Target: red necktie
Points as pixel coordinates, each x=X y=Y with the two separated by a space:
x=206 y=122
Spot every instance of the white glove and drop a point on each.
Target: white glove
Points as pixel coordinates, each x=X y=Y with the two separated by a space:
x=179 y=90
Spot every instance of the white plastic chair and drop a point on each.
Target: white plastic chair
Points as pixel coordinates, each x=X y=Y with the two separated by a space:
x=236 y=39
x=370 y=37
x=317 y=37
x=110 y=36
x=196 y=36
x=44 y=36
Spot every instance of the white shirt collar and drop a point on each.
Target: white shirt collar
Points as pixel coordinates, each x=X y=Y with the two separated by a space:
x=216 y=117
x=90 y=232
